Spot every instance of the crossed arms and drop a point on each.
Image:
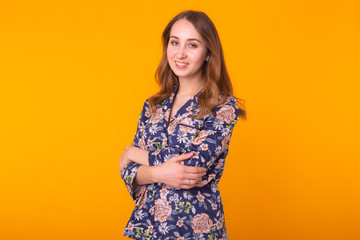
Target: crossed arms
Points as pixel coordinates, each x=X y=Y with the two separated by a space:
x=171 y=172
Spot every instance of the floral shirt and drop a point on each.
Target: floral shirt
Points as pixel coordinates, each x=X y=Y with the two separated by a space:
x=164 y=212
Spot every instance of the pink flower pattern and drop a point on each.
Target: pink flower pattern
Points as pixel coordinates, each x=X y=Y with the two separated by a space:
x=162 y=210
x=201 y=223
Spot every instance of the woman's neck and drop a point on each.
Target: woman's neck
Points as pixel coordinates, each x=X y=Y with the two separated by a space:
x=190 y=87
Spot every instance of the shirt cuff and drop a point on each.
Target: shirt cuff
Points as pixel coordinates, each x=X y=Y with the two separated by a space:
x=128 y=175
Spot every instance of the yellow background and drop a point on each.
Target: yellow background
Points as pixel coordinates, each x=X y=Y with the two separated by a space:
x=74 y=76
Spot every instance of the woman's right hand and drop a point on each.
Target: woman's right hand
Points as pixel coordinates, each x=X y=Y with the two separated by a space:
x=124 y=160
x=175 y=174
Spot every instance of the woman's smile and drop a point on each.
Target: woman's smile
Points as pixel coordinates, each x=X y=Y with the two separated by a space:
x=181 y=64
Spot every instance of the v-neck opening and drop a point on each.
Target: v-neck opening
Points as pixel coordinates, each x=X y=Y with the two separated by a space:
x=171 y=103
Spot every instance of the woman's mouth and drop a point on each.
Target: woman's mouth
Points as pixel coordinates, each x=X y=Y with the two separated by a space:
x=181 y=64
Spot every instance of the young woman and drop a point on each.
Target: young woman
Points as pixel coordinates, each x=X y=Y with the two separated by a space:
x=177 y=157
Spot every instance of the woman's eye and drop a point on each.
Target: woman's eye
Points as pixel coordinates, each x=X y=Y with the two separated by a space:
x=192 y=45
x=173 y=43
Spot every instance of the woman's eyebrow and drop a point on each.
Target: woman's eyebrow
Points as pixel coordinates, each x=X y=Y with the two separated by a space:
x=189 y=39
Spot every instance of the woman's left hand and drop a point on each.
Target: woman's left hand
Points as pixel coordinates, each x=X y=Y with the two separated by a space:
x=124 y=159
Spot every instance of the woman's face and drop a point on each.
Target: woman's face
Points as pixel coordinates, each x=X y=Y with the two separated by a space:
x=186 y=51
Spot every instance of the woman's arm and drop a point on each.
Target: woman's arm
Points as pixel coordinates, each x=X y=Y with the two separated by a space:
x=128 y=169
x=124 y=159
x=133 y=154
x=171 y=173
x=138 y=155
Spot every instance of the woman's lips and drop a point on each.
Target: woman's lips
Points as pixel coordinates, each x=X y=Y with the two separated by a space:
x=181 y=64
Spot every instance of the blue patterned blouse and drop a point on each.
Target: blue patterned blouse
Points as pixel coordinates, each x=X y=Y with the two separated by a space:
x=164 y=212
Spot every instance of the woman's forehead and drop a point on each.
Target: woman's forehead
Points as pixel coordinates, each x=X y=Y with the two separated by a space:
x=184 y=30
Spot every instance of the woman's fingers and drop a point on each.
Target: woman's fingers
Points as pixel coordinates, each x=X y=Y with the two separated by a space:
x=179 y=175
x=186 y=180
x=182 y=156
x=187 y=184
x=190 y=169
x=192 y=179
x=194 y=176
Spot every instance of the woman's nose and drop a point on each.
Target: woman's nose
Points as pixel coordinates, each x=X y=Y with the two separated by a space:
x=181 y=53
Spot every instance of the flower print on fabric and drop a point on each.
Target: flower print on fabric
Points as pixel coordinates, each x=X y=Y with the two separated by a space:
x=164 y=212
x=201 y=223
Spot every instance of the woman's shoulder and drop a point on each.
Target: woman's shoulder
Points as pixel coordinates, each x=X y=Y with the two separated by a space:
x=157 y=105
x=227 y=110
x=226 y=101
x=145 y=107
x=146 y=102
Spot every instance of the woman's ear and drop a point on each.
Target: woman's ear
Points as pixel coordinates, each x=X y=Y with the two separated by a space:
x=207 y=58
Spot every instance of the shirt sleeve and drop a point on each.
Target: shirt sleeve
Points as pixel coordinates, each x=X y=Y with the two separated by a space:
x=129 y=172
x=128 y=175
x=211 y=142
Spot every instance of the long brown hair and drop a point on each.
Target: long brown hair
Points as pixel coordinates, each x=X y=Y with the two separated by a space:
x=217 y=80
